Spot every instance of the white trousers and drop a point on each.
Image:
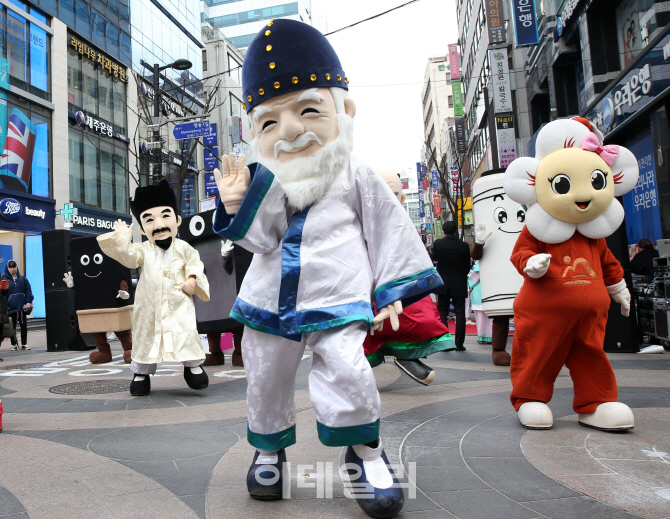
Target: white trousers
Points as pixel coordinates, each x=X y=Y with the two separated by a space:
x=150 y=369
x=342 y=386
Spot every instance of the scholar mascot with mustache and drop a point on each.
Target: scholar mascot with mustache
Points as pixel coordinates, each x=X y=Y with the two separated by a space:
x=328 y=237
x=569 y=273
x=164 y=326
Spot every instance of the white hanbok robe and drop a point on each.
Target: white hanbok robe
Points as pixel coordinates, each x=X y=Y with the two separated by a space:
x=322 y=267
x=164 y=326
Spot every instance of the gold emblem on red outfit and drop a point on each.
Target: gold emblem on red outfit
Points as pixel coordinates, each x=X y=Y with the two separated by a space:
x=578 y=278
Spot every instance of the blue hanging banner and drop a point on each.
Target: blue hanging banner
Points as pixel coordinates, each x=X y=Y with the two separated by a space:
x=435 y=179
x=210 y=185
x=211 y=139
x=643 y=215
x=525 y=22
x=418 y=176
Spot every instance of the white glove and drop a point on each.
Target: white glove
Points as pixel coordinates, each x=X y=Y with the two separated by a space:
x=481 y=235
x=123 y=294
x=537 y=265
x=621 y=295
x=67 y=278
x=226 y=248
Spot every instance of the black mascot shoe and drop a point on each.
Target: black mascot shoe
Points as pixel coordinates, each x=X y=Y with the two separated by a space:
x=375 y=486
x=199 y=381
x=264 y=479
x=140 y=387
x=416 y=370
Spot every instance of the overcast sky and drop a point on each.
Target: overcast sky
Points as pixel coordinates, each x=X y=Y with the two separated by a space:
x=377 y=56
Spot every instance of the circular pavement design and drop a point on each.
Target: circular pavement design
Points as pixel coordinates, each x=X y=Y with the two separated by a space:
x=93 y=387
x=630 y=471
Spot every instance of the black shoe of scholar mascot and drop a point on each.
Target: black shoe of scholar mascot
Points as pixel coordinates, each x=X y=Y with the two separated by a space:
x=416 y=370
x=373 y=482
x=264 y=479
x=140 y=387
x=196 y=381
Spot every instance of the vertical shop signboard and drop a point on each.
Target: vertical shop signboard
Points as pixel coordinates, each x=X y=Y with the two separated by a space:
x=506 y=139
x=436 y=179
x=502 y=96
x=454 y=63
x=496 y=23
x=643 y=215
x=525 y=22
x=457 y=93
x=461 y=144
x=418 y=177
x=437 y=204
x=455 y=187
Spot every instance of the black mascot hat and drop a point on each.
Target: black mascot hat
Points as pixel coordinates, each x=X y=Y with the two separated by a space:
x=156 y=195
x=287 y=56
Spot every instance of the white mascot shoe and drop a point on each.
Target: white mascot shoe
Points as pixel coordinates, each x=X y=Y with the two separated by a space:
x=609 y=416
x=535 y=415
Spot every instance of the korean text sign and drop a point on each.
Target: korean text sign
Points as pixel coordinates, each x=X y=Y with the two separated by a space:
x=525 y=22
x=495 y=21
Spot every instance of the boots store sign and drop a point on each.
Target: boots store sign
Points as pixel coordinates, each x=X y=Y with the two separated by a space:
x=28 y=214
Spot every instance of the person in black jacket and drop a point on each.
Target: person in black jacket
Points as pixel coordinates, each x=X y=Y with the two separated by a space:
x=4 y=318
x=642 y=263
x=19 y=301
x=453 y=264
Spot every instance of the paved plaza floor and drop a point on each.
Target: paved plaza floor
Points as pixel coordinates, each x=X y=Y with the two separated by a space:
x=77 y=445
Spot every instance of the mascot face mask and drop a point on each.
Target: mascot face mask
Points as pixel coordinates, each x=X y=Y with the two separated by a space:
x=155 y=207
x=572 y=182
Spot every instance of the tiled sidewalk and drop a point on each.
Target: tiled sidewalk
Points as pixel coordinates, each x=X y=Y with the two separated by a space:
x=182 y=453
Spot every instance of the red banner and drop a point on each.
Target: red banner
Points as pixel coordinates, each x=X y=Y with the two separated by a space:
x=437 y=204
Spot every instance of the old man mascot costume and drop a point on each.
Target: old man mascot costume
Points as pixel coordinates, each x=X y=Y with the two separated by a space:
x=164 y=326
x=569 y=273
x=328 y=236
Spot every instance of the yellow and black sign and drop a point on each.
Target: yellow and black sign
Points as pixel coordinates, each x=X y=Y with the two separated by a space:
x=119 y=71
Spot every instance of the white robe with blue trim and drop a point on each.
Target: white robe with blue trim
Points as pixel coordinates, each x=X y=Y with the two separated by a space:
x=323 y=267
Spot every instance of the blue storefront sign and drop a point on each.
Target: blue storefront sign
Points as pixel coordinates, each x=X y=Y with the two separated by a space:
x=188 y=201
x=89 y=220
x=643 y=81
x=525 y=22
x=211 y=139
x=211 y=159
x=25 y=212
x=436 y=179
x=210 y=185
x=643 y=216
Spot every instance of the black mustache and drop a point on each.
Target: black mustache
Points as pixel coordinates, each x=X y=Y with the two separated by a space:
x=156 y=231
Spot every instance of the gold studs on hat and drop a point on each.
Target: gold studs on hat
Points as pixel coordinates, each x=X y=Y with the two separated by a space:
x=276 y=84
x=267 y=33
x=327 y=77
x=272 y=65
x=270 y=23
x=244 y=105
x=313 y=77
x=339 y=78
x=294 y=80
x=261 y=91
x=249 y=98
x=268 y=48
x=346 y=80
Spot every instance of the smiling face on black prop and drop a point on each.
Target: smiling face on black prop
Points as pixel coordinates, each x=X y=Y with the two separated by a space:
x=96 y=277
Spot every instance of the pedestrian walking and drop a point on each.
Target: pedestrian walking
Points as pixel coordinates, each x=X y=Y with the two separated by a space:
x=453 y=265
x=19 y=302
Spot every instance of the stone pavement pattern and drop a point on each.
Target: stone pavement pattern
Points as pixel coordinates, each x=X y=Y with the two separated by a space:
x=76 y=444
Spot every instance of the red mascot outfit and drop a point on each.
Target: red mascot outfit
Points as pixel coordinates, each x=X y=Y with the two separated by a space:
x=569 y=273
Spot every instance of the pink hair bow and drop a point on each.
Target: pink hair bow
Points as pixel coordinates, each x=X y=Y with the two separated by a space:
x=608 y=153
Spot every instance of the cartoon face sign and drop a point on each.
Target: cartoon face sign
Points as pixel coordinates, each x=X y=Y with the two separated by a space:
x=572 y=182
x=96 y=277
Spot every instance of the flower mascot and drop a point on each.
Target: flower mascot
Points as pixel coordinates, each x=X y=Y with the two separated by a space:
x=569 y=273
x=328 y=237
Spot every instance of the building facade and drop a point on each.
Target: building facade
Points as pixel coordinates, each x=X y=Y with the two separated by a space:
x=241 y=20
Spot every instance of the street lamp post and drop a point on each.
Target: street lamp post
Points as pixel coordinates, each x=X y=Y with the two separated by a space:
x=180 y=64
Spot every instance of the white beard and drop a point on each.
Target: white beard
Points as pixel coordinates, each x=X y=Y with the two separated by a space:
x=306 y=180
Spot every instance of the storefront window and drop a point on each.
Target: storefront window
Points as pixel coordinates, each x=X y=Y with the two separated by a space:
x=98 y=170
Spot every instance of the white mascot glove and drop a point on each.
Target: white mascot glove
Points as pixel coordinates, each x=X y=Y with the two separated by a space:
x=621 y=295
x=537 y=265
x=226 y=248
x=481 y=235
x=123 y=294
x=67 y=278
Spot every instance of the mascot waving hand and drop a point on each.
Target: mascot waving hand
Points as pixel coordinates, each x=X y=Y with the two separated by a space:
x=569 y=273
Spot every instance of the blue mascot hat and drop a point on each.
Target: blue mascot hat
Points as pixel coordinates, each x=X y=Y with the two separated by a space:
x=287 y=56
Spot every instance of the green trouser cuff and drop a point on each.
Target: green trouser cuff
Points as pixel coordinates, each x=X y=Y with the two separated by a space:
x=412 y=350
x=481 y=338
x=271 y=442
x=345 y=436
